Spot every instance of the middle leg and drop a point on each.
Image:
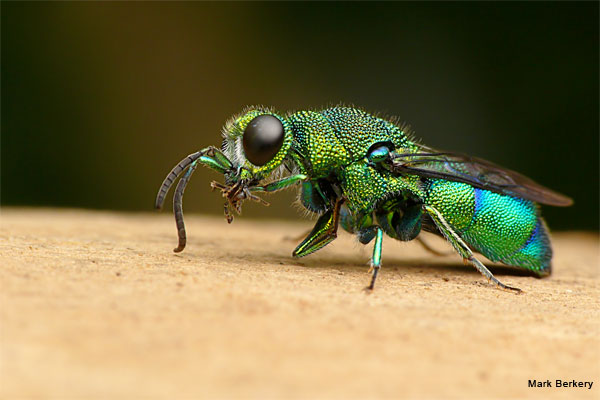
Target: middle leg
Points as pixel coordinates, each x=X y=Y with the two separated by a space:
x=376 y=260
x=366 y=231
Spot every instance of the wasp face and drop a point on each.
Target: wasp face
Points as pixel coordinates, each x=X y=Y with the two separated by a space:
x=256 y=143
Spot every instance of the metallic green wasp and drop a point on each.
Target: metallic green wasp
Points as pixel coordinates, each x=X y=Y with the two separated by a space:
x=368 y=175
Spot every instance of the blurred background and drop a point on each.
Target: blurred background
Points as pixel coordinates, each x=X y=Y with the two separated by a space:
x=101 y=100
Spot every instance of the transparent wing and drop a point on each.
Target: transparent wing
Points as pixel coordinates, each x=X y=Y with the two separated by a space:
x=475 y=172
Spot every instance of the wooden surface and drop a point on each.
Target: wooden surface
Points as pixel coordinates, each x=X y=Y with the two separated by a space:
x=96 y=305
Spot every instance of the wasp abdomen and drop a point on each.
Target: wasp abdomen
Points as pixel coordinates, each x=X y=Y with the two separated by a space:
x=502 y=228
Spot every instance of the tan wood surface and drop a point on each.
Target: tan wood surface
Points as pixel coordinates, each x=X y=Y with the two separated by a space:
x=96 y=305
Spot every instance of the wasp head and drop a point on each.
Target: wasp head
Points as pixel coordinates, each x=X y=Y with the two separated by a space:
x=256 y=144
x=254 y=147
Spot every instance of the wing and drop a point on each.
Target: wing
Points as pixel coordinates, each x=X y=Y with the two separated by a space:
x=475 y=172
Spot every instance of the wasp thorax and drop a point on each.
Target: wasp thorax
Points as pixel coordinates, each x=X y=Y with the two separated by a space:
x=263 y=137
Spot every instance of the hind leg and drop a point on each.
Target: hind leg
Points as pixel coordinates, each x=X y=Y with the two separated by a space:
x=462 y=248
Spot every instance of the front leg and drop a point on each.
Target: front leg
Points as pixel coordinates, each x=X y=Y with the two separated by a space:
x=243 y=189
x=280 y=184
x=324 y=232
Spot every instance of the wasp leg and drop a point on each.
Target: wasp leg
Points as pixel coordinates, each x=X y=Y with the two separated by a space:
x=462 y=248
x=280 y=184
x=365 y=235
x=376 y=260
x=213 y=163
x=362 y=225
x=324 y=232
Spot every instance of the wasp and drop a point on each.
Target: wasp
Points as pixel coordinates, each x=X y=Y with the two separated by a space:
x=369 y=175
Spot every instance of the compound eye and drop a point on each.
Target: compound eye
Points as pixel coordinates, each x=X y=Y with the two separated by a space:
x=262 y=139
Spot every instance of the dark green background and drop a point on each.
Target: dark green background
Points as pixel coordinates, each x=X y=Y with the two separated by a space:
x=100 y=100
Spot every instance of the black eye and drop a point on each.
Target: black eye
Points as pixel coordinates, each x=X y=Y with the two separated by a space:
x=263 y=138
